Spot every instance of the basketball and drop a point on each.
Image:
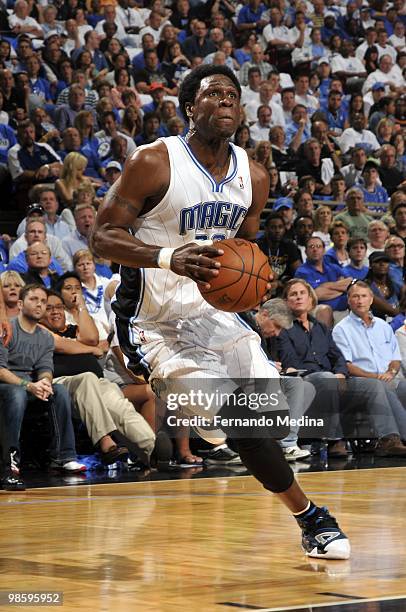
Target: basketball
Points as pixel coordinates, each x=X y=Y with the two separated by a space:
x=243 y=276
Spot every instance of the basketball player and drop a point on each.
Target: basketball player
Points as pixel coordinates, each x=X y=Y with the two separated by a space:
x=158 y=220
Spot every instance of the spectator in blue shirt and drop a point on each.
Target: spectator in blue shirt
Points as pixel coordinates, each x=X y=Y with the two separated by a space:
x=249 y=17
x=40 y=88
x=357 y=250
x=337 y=118
x=329 y=281
x=395 y=250
x=7 y=140
x=297 y=130
x=372 y=190
x=338 y=253
x=113 y=171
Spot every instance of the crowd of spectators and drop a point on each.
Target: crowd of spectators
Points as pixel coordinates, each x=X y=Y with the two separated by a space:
x=323 y=109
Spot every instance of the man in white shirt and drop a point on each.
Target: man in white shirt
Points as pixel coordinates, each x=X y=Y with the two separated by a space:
x=352 y=172
x=276 y=34
x=398 y=40
x=250 y=92
x=110 y=17
x=383 y=47
x=358 y=135
x=155 y=26
x=260 y=129
x=386 y=74
x=265 y=98
x=347 y=65
x=130 y=18
x=302 y=96
x=21 y=23
x=370 y=40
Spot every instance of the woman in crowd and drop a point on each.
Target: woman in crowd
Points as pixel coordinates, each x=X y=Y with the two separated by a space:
x=303 y=203
x=242 y=138
x=263 y=154
x=356 y=104
x=378 y=233
x=123 y=81
x=176 y=64
x=84 y=123
x=371 y=58
x=131 y=123
x=71 y=178
x=384 y=131
x=323 y=218
x=338 y=253
x=398 y=141
x=243 y=54
x=114 y=47
x=93 y=285
x=275 y=186
x=11 y=283
x=386 y=295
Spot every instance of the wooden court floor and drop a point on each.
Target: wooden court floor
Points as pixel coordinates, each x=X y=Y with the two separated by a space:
x=201 y=545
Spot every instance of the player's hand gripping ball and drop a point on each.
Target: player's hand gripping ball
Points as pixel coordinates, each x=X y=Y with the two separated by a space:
x=243 y=277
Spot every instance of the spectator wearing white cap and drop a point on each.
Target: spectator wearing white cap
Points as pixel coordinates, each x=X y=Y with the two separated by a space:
x=113 y=171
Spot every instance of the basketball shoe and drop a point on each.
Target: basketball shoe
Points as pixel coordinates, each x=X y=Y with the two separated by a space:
x=321 y=536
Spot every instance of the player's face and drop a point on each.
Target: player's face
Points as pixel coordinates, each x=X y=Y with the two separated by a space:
x=54 y=317
x=299 y=299
x=216 y=110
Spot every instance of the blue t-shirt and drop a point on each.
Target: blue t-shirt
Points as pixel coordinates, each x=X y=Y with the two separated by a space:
x=359 y=273
x=315 y=278
x=7 y=140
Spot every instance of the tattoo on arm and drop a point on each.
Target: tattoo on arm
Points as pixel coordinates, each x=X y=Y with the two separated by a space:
x=112 y=196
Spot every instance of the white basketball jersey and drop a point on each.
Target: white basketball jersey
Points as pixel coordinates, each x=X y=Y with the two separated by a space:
x=195 y=207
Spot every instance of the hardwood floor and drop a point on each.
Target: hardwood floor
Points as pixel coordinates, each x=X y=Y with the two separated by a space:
x=201 y=545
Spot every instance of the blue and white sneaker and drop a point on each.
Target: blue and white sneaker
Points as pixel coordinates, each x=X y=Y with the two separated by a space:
x=321 y=536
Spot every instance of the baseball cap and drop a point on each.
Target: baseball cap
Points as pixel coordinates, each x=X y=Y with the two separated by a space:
x=114 y=164
x=35 y=208
x=282 y=203
x=323 y=60
x=50 y=34
x=378 y=256
x=377 y=86
x=155 y=86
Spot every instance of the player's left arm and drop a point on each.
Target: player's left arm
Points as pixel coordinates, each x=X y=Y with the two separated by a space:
x=260 y=190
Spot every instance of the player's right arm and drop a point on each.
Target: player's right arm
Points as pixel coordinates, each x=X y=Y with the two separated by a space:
x=144 y=183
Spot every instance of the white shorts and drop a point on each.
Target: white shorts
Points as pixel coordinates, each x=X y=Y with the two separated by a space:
x=217 y=345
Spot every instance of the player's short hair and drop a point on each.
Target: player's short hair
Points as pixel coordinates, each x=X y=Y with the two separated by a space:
x=191 y=83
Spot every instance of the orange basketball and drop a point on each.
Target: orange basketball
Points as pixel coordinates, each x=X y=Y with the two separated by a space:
x=242 y=279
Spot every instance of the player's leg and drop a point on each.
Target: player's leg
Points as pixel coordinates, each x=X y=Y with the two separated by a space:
x=321 y=535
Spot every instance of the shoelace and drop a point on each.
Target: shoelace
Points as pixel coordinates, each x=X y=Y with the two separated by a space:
x=319 y=517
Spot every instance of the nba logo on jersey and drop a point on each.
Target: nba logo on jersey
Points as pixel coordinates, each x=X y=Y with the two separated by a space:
x=141 y=334
x=241 y=182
